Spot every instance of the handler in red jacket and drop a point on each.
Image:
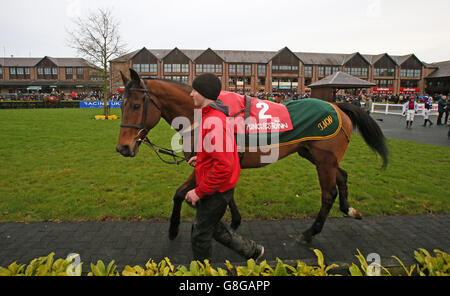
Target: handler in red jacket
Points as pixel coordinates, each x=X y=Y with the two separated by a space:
x=217 y=171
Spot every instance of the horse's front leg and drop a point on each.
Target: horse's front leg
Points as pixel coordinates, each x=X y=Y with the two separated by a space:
x=177 y=202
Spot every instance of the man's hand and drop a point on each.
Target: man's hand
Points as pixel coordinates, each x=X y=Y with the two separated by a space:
x=192 y=161
x=192 y=197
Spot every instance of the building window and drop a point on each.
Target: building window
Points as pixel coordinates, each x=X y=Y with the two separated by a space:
x=383 y=72
x=356 y=71
x=167 y=67
x=69 y=71
x=284 y=68
x=262 y=69
x=239 y=68
x=248 y=69
x=19 y=71
x=410 y=72
x=384 y=82
x=40 y=71
x=12 y=72
x=79 y=71
x=409 y=83
x=55 y=71
x=208 y=68
x=261 y=80
x=145 y=67
x=1 y=73
x=181 y=79
x=308 y=70
x=176 y=68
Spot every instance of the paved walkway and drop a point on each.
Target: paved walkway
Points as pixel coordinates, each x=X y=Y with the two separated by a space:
x=393 y=126
x=133 y=243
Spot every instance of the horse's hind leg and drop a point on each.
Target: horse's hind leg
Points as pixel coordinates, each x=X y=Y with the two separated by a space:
x=341 y=180
x=177 y=202
x=327 y=166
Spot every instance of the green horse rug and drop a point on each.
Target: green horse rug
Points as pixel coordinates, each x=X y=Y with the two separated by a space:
x=263 y=123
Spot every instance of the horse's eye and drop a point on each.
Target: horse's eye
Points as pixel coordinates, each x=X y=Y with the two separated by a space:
x=136 y=106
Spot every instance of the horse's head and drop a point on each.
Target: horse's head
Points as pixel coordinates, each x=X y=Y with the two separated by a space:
x=140 y=113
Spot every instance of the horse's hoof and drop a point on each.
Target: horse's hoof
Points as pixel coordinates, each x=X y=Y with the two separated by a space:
x=354 y=214
x=173 y=233
x=304 y=239
x=235 y=224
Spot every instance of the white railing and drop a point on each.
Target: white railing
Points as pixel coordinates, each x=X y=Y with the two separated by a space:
x=397 y=109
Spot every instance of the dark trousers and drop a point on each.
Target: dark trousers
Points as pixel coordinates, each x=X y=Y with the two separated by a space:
x=208 y=225
x=439 y=119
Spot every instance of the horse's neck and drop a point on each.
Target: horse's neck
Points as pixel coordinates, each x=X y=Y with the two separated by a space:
x=173 y=100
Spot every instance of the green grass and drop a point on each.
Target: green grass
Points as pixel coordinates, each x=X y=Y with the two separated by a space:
x=61 y=165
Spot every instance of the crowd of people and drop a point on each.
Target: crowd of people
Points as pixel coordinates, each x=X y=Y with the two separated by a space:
x=59 y=96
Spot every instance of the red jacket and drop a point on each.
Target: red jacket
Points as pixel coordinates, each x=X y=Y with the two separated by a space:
x=217 y=168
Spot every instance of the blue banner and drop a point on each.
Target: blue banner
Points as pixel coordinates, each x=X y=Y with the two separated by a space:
x=99 y=104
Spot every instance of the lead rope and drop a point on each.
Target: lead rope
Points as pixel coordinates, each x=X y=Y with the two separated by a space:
x=165 y=151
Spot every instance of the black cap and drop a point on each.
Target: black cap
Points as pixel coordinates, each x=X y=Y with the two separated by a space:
x=208 y=85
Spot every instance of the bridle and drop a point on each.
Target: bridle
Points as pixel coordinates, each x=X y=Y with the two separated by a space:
x=147 y=98
x=142 y=129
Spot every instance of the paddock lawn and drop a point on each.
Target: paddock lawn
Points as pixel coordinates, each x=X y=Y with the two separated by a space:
x=61 y=165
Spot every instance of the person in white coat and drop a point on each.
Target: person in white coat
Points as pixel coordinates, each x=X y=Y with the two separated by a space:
x=428 y=106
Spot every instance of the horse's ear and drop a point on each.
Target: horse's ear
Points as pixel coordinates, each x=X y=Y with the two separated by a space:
x=124 y=78
x=134 y=75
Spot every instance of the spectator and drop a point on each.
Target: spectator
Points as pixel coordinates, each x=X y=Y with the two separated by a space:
x=427 y=110
x=447 y=110
x=441 y=109
x=410 y=109
x=368 y=105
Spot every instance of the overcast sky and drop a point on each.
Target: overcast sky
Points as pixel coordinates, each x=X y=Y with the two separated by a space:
x=398 y=27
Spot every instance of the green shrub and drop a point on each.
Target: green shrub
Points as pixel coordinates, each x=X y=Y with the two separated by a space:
x=428 y=265
x=433 y=266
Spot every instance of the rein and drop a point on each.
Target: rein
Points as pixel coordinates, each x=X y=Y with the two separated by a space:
x=176 y=158
x=141 y=127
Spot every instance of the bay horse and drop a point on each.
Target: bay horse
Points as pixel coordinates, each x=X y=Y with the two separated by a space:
x=147 y=101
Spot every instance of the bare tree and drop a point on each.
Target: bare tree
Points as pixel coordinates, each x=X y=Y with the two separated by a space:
x=97 y=39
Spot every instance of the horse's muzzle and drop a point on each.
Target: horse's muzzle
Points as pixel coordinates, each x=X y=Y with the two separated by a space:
x=126 y=150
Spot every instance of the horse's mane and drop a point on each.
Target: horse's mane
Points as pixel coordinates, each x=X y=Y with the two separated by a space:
x=181 y=85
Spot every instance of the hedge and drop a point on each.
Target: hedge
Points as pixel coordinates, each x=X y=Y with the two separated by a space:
x=427 y=265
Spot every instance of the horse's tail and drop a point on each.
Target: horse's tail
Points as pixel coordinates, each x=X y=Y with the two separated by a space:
x=370 y=131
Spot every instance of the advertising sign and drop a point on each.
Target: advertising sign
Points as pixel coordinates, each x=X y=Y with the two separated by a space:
x=99 y=104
